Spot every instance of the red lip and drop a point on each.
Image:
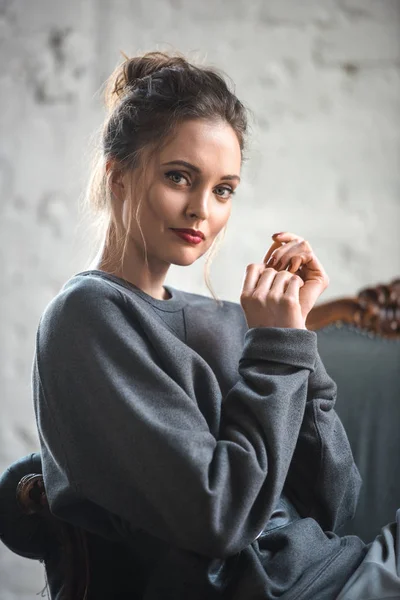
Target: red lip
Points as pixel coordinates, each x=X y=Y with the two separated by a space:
x=198 y=233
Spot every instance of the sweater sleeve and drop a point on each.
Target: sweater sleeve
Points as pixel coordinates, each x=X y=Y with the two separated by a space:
x=127 y=438
x=323 y=479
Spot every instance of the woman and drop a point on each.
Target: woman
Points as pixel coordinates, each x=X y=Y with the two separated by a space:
x=201 y=435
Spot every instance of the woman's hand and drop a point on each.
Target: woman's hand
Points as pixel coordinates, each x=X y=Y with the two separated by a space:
x=292 y=251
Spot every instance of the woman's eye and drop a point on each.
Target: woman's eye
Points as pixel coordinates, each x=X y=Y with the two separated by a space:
x=175 y=176
x=224 y=192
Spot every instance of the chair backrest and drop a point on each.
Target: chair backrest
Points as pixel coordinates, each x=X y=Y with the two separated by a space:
x=359 y=343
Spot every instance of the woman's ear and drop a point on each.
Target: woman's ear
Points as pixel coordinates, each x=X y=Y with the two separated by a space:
x=115 y=179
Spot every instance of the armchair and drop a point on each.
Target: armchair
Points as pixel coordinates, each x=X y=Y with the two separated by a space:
x=359 y=343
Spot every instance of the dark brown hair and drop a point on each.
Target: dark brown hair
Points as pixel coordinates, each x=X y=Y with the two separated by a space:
x=147 y=97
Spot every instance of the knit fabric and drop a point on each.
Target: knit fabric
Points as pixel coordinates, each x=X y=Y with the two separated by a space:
x=171 y=425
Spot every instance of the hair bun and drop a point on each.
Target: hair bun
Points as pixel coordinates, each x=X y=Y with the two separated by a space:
x=123 y=79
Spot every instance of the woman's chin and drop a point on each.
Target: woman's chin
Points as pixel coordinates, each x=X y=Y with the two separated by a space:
x=184 y=261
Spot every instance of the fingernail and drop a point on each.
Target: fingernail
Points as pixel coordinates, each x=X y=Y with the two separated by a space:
x=280 y=233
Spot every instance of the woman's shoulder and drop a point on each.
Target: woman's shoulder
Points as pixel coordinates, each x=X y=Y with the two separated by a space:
x=87 y=286
x=82 y=298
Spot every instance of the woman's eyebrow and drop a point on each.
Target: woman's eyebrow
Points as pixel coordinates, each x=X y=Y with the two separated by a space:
x=188 y=165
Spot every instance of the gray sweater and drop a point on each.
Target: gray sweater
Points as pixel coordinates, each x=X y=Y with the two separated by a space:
x=169 y=425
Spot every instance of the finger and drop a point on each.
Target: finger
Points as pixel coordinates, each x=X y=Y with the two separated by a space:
x=271 y=250
x=293 y=288
x=285 y=236
x=265 y=282
x=251 y=278
x=288 y=250
x=295 y=264
x=312 y=266
x=280 y=282
x=284 y=261
x=314 y=275
x=277 y=243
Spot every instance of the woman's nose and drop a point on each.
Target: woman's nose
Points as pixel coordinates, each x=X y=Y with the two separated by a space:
x=199 y=203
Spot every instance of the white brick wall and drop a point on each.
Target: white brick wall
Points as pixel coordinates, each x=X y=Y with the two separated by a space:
x=323 y=80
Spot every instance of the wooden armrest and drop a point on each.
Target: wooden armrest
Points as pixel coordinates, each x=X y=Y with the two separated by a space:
x=375 y=309
x=31 y=494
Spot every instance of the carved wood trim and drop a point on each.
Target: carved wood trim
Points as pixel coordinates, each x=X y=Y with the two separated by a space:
x=375 y=309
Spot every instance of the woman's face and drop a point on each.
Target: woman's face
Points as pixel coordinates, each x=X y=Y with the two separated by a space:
x=195 y=195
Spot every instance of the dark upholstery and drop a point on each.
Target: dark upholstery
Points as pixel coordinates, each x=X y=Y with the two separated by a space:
x=27 y=535
x=366 y=369
x=114 y=570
